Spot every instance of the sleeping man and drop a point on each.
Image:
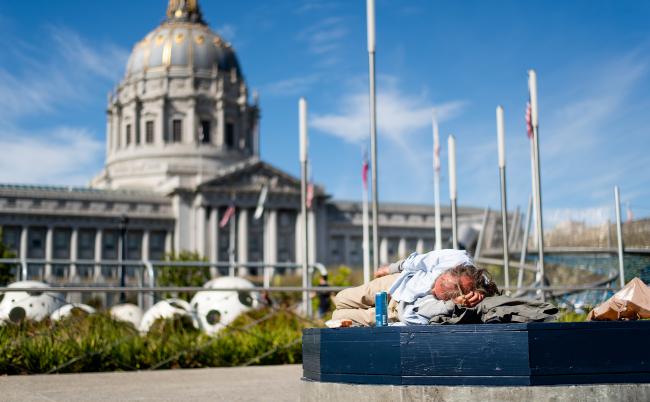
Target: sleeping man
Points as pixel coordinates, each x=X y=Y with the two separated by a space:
x=419 y=287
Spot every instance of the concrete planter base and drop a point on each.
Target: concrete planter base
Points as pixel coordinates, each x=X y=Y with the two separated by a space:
x=327 y=391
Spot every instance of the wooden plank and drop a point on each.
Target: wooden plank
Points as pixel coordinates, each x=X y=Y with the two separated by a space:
x=589 y=351
x=465 y=354
x=367 y=351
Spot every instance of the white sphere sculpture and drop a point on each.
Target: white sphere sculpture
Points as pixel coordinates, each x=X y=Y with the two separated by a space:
x=127 y=313
x=215 y=310
x=66 y=310
x=20 y=305
x=164 y=309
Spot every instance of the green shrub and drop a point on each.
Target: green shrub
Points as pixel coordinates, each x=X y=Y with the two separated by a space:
x=98 y=343
x=183 y=276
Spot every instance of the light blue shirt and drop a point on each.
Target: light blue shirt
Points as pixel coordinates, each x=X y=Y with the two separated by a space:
x=413 y=287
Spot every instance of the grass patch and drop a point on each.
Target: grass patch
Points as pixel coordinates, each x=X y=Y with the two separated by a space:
x=99 y=343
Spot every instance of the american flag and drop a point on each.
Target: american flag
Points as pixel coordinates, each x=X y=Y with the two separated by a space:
x=529 y=121
x=436 y=155
x=310 y=194
x=226 y=216
x=364 y=172
x=630 y=215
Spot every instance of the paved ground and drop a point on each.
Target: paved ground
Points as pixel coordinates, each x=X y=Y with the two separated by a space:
x=262 y=383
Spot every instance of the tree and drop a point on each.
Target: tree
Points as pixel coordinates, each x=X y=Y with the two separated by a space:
x=183 y=276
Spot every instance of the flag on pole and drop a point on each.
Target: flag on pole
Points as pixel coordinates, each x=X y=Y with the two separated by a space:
x=226 y=216
x=529 y=121
x=436 y=154
x=260 y=202
x=630 y=215
x=364 y=171
x=365 y=219
x=310 y=194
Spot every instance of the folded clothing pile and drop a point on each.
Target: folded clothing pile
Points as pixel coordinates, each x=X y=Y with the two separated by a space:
x=500 y=309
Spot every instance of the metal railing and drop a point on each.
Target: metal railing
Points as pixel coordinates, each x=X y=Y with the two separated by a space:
x=147 y=278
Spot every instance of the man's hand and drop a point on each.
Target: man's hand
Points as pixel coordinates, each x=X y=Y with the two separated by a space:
x=382 y=271
x=470 y=299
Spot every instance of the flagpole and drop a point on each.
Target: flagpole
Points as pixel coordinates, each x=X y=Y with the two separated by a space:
x=231 y=249
x=302 y=106
x=619 y=234
x=451 y=150
x=532 y=86
x=504 y=202
x=370 y=9
x=524 y=244
x=366 y=223
x=436 y=182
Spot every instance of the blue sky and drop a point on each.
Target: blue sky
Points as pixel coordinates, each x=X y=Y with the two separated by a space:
x=60 y=59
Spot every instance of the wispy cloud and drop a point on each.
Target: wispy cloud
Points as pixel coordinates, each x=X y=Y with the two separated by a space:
x=64 y=71
x=325 y=39
x=105 y=61
x=398 y=114
x=290 y=86
x=310 y=6
x=65 y=155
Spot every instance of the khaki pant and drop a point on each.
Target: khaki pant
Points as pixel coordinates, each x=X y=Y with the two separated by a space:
x=358 y=303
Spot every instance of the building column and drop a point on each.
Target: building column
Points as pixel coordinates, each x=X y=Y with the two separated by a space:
x=383 y=251
x=23 y=243
x=98 y=253
x=145 y=244
x=200 y=222
x=242 y=240
x=401 y=248
x=22 y=252
x=159 y=128
x=72 y=276
x=270 y=244
x=419 y=247
x=191 y=138
x=74 y=235
x=48 y=253
x=169 y=242
x=213 y=239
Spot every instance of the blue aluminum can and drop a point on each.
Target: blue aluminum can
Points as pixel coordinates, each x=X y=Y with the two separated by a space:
x=381 y=309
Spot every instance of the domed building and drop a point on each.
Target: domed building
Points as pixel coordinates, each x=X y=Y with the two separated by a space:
x=183 y=173
x=182 y=111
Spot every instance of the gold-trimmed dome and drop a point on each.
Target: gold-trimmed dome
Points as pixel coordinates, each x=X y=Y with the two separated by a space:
x=183 y=40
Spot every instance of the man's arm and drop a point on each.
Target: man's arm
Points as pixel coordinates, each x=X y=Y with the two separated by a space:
x=393 y=268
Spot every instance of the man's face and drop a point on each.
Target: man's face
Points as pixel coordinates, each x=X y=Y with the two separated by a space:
x=446 y=284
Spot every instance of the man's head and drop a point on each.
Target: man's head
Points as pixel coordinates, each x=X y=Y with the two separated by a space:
x=461 y=280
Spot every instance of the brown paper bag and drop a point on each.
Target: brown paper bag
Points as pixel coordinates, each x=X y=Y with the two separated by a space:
x=630 y=303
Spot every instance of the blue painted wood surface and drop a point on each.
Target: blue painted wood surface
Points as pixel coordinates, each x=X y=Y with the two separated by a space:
x=484 y=354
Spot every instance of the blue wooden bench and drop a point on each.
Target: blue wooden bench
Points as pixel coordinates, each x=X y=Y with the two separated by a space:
x=486 y=354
